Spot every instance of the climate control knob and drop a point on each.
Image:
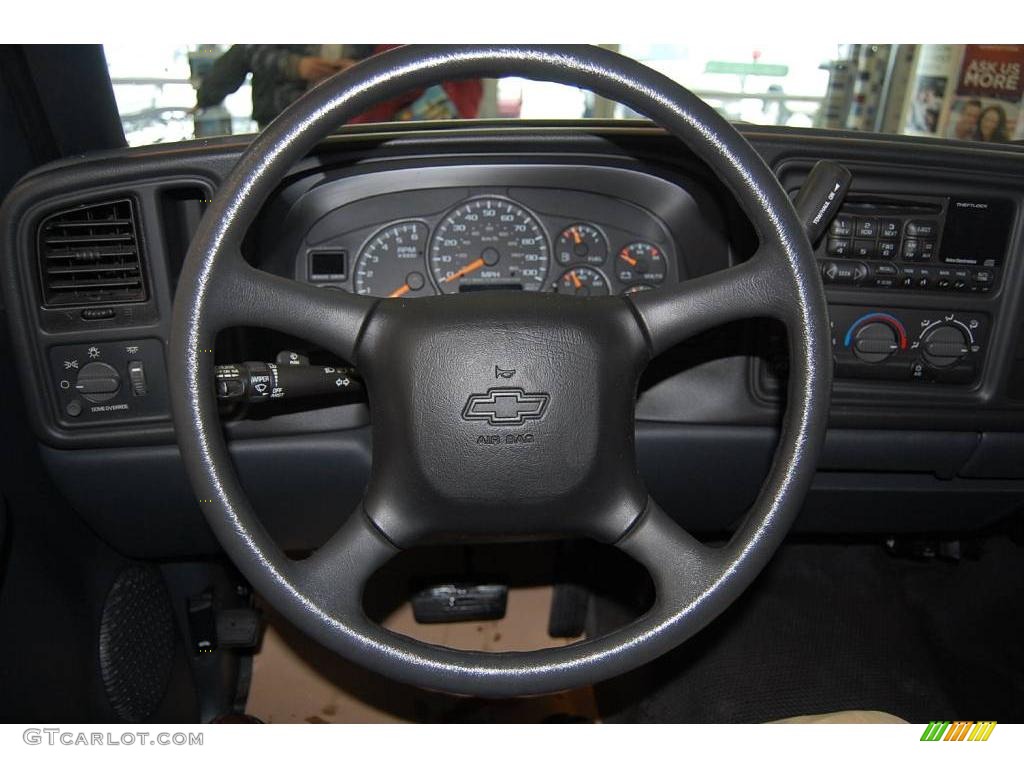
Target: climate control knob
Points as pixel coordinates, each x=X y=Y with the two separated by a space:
x=874 y=342
x=944 y=345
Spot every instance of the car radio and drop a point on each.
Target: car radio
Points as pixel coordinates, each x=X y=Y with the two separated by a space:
x=898 y=242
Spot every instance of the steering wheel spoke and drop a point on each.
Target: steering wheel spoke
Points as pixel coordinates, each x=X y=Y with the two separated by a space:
x=758 y=287
x=334 y=575
x=330 y=318
x=681 y=567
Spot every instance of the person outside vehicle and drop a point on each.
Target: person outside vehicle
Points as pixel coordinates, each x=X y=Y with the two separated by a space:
x=282 y=73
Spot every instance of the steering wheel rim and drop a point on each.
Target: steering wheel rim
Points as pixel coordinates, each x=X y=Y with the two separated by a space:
x=322 y=595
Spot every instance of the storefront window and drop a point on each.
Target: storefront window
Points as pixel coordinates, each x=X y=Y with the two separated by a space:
x=969 y=92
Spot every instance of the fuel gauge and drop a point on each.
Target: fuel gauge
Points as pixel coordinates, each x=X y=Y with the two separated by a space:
x=583 y=281
x=581 y=243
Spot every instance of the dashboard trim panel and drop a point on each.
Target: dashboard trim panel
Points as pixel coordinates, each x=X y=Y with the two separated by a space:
x=632 y=148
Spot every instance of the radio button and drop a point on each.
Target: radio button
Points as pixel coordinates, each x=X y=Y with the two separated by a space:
x=918 y=250
x=884 y=275
x=983 y=279
x=864 y=249
x=889 y=229
x=922 y=228
x=840 y=272
x=842 y=226
x=838 y=247
x=887 y=249
x=866 y=228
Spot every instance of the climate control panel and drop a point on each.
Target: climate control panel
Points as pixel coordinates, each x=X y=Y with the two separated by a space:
x=908 y=344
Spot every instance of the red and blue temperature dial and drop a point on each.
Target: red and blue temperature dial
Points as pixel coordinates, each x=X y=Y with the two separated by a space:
x=876 y=336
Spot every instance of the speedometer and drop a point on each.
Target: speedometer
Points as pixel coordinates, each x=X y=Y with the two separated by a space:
x=489 y=243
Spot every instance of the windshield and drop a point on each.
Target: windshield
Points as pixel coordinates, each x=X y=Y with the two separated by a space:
x=965 y=92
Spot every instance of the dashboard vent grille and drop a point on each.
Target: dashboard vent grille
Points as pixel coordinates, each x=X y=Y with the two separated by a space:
x=90 y=255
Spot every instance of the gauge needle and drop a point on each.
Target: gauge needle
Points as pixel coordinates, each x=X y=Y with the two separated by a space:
x=399 y=291
x=576 y=235
x=627 y=258
x=473 y=266
x=575 y=280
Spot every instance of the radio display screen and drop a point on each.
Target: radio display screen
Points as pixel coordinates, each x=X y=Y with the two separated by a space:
x=976 y=231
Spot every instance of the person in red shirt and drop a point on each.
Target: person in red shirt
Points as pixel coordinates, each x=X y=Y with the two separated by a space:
x=448 y=101
x=282 y=73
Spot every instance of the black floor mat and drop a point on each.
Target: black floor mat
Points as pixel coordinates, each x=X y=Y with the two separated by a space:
x=829 y=627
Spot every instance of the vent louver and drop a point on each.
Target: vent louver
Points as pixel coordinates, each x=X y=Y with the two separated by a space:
x=90 y=255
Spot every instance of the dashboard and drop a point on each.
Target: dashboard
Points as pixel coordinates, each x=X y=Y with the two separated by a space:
x=923 y=269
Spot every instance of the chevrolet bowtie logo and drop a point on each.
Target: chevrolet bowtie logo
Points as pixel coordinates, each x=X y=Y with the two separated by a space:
x=505 y=406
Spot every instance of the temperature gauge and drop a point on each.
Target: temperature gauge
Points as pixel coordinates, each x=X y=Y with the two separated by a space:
x=641 y=262
x=583 y=281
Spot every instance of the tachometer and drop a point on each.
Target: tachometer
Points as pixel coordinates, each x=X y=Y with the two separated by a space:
x=391 y=262
x=489 y=243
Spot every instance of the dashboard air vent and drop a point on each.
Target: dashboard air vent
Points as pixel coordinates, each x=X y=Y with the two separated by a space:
x=90 y=255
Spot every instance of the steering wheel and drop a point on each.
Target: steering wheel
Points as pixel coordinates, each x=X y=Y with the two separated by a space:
x=451 y=441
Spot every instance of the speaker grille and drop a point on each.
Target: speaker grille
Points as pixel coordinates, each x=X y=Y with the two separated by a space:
x=137 y=643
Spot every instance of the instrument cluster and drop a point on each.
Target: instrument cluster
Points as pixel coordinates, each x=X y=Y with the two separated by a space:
x=492 y=242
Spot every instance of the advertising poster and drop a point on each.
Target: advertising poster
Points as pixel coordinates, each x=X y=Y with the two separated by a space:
x=929 y=89
x=987 y=99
